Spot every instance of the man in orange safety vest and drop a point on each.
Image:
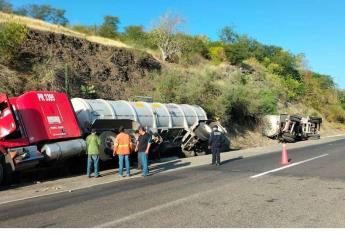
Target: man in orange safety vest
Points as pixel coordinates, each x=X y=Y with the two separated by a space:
x=123 y=148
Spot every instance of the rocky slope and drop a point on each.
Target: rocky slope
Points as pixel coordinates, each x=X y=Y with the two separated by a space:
x=77 y=60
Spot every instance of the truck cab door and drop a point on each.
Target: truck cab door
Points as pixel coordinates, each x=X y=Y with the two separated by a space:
x=7 y=120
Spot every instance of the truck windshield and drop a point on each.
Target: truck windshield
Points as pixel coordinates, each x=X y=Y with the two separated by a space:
x=3 y=106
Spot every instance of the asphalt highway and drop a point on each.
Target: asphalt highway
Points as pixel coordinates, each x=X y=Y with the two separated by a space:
x=244 y=192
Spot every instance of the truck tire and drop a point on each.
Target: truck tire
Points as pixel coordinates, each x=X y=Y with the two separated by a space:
x=288 y=138
x=107 y=145
x=316 y=120
x=295 y=118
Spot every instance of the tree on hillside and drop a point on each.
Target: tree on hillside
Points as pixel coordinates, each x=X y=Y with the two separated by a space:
x=239 y=51
x=5 y=6
x=43 y=12
x=134 y=32
x=164 y=35
x=228 y=36
x=193 y=48
x=137 y=35
x=109 y=27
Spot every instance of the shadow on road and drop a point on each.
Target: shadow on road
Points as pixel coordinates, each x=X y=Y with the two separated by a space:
x=231 y=160
x=168 y=166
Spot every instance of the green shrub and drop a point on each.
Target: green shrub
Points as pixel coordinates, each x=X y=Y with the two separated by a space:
x=268 y=102
x=168 y=84
x=217 y=54
x=12 y=36
x=335 y=113
x=293 y=89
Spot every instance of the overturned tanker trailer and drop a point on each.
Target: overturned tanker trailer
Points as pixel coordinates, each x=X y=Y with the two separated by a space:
x=291 y=128
x=184 y=127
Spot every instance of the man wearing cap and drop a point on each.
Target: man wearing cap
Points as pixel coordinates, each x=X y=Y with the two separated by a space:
x=92 y=150
x=143 y=148
x=122 y=148
x=215 y=143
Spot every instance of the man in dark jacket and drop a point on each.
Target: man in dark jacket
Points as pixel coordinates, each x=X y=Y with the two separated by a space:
x=215 y=144
x=143 y=148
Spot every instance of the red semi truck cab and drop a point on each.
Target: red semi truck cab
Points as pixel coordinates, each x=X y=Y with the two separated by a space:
x=35 y=126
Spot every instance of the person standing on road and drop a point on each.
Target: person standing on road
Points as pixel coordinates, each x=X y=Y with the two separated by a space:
x=92 y=149
x=143 y=148
x=215 y=143
x=122 y=148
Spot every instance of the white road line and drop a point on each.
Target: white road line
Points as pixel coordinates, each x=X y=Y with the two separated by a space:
x=288 y=166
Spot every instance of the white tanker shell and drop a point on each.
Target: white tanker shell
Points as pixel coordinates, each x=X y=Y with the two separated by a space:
x=271 y=125
x=151 y=115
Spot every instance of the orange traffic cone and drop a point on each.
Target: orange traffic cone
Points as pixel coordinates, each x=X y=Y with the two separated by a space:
x=285 y=158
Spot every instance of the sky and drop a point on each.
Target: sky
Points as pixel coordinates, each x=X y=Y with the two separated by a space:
x=313 y=27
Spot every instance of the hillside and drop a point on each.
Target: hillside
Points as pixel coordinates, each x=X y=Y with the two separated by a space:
x=48 y=27
x=49 y=59
x=231 y=84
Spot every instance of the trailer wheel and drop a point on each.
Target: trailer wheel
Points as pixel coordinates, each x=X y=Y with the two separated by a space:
x=107 y=145
x=289 y=138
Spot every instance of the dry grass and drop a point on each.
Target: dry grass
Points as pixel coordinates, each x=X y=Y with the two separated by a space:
x=251 y=139
x=45 y=26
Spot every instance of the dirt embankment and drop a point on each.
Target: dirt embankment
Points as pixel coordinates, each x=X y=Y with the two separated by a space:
x=82 y=62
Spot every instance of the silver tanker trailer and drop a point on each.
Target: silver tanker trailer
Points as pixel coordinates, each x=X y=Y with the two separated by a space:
x=184 y=126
